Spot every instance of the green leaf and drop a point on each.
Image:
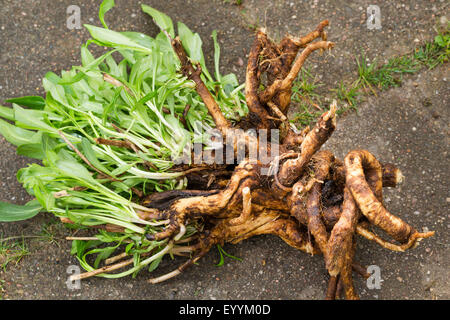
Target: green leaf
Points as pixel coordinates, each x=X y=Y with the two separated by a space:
x=122 y=169
x=111 y=38
x=75 y=169
x=32 y=119
x=105 y=7
x=140 y=38
x=109 y=108
x=143 y=100
x=86 y=56
x=53 y=77
x=54 y=89
x=11 y=212
x=80 y=75
x=196 y=52
x=90 y=155
x=192 y=43
x=222 y=260
x=216 y=55
x=103 y=254
x=7 y=113
x=129 y=247
x=162 y=20
x=31 y=150
x=154 y=264
x=80 y=246
x=229 y=255
x=33 y=102
x=18 y=136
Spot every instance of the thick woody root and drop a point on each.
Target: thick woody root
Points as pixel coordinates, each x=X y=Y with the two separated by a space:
x=252 y=81
x=290 y=45
x=341 y=236
x=248 y=224
x=370 y=206
x=277 y=61
x=346 y=274
x=314 y=202
x=285 y=85
x=322 y=163
x=191 y=207
x=339 y=246
x=291 y=170
x=343 y=231
x=331 y=289
x=194 y=74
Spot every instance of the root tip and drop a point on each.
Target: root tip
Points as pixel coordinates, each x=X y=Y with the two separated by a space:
x=164 y=277
x=332 y=112
x=399 y=177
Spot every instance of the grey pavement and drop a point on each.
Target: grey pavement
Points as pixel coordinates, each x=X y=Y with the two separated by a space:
x=407 y=126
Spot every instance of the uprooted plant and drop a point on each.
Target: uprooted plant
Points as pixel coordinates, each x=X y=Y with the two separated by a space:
x=109 y=134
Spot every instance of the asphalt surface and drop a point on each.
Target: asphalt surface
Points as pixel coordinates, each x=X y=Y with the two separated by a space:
x=407 y=126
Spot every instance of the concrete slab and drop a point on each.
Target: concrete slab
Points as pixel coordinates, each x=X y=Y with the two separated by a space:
x=407 y=126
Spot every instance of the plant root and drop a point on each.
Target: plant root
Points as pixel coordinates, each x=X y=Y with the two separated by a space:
x=313 y=201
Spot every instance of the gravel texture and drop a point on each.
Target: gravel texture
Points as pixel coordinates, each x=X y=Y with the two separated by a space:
x=407 y=126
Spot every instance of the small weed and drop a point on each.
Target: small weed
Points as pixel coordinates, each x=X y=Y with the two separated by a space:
x=305 y=83
x=222 y=259
x=47 y=232
x=391 y=74
x=387 y=75
x=303 y=89
x=248 y=22
x=307 y=99
x=434 y=53
x=305 y=116
x=366 y=73
x=235 y=2
x=349 y=94
x=12 y=252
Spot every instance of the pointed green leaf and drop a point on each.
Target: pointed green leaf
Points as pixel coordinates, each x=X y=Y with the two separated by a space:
x=11 y=212
x=154 y=264
x=75 y=169
x=80 y=75
x=86 y=56
x=122 y=169
x=192 y=43
x=162 y=20
x=216 y=55
x=31 y=119
x=111 y=38
x=139 y=38
x=33 y=102
x=18 y=136
x=7 y=113
x=105 y=7
x=31 y=150
x=90 y=155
